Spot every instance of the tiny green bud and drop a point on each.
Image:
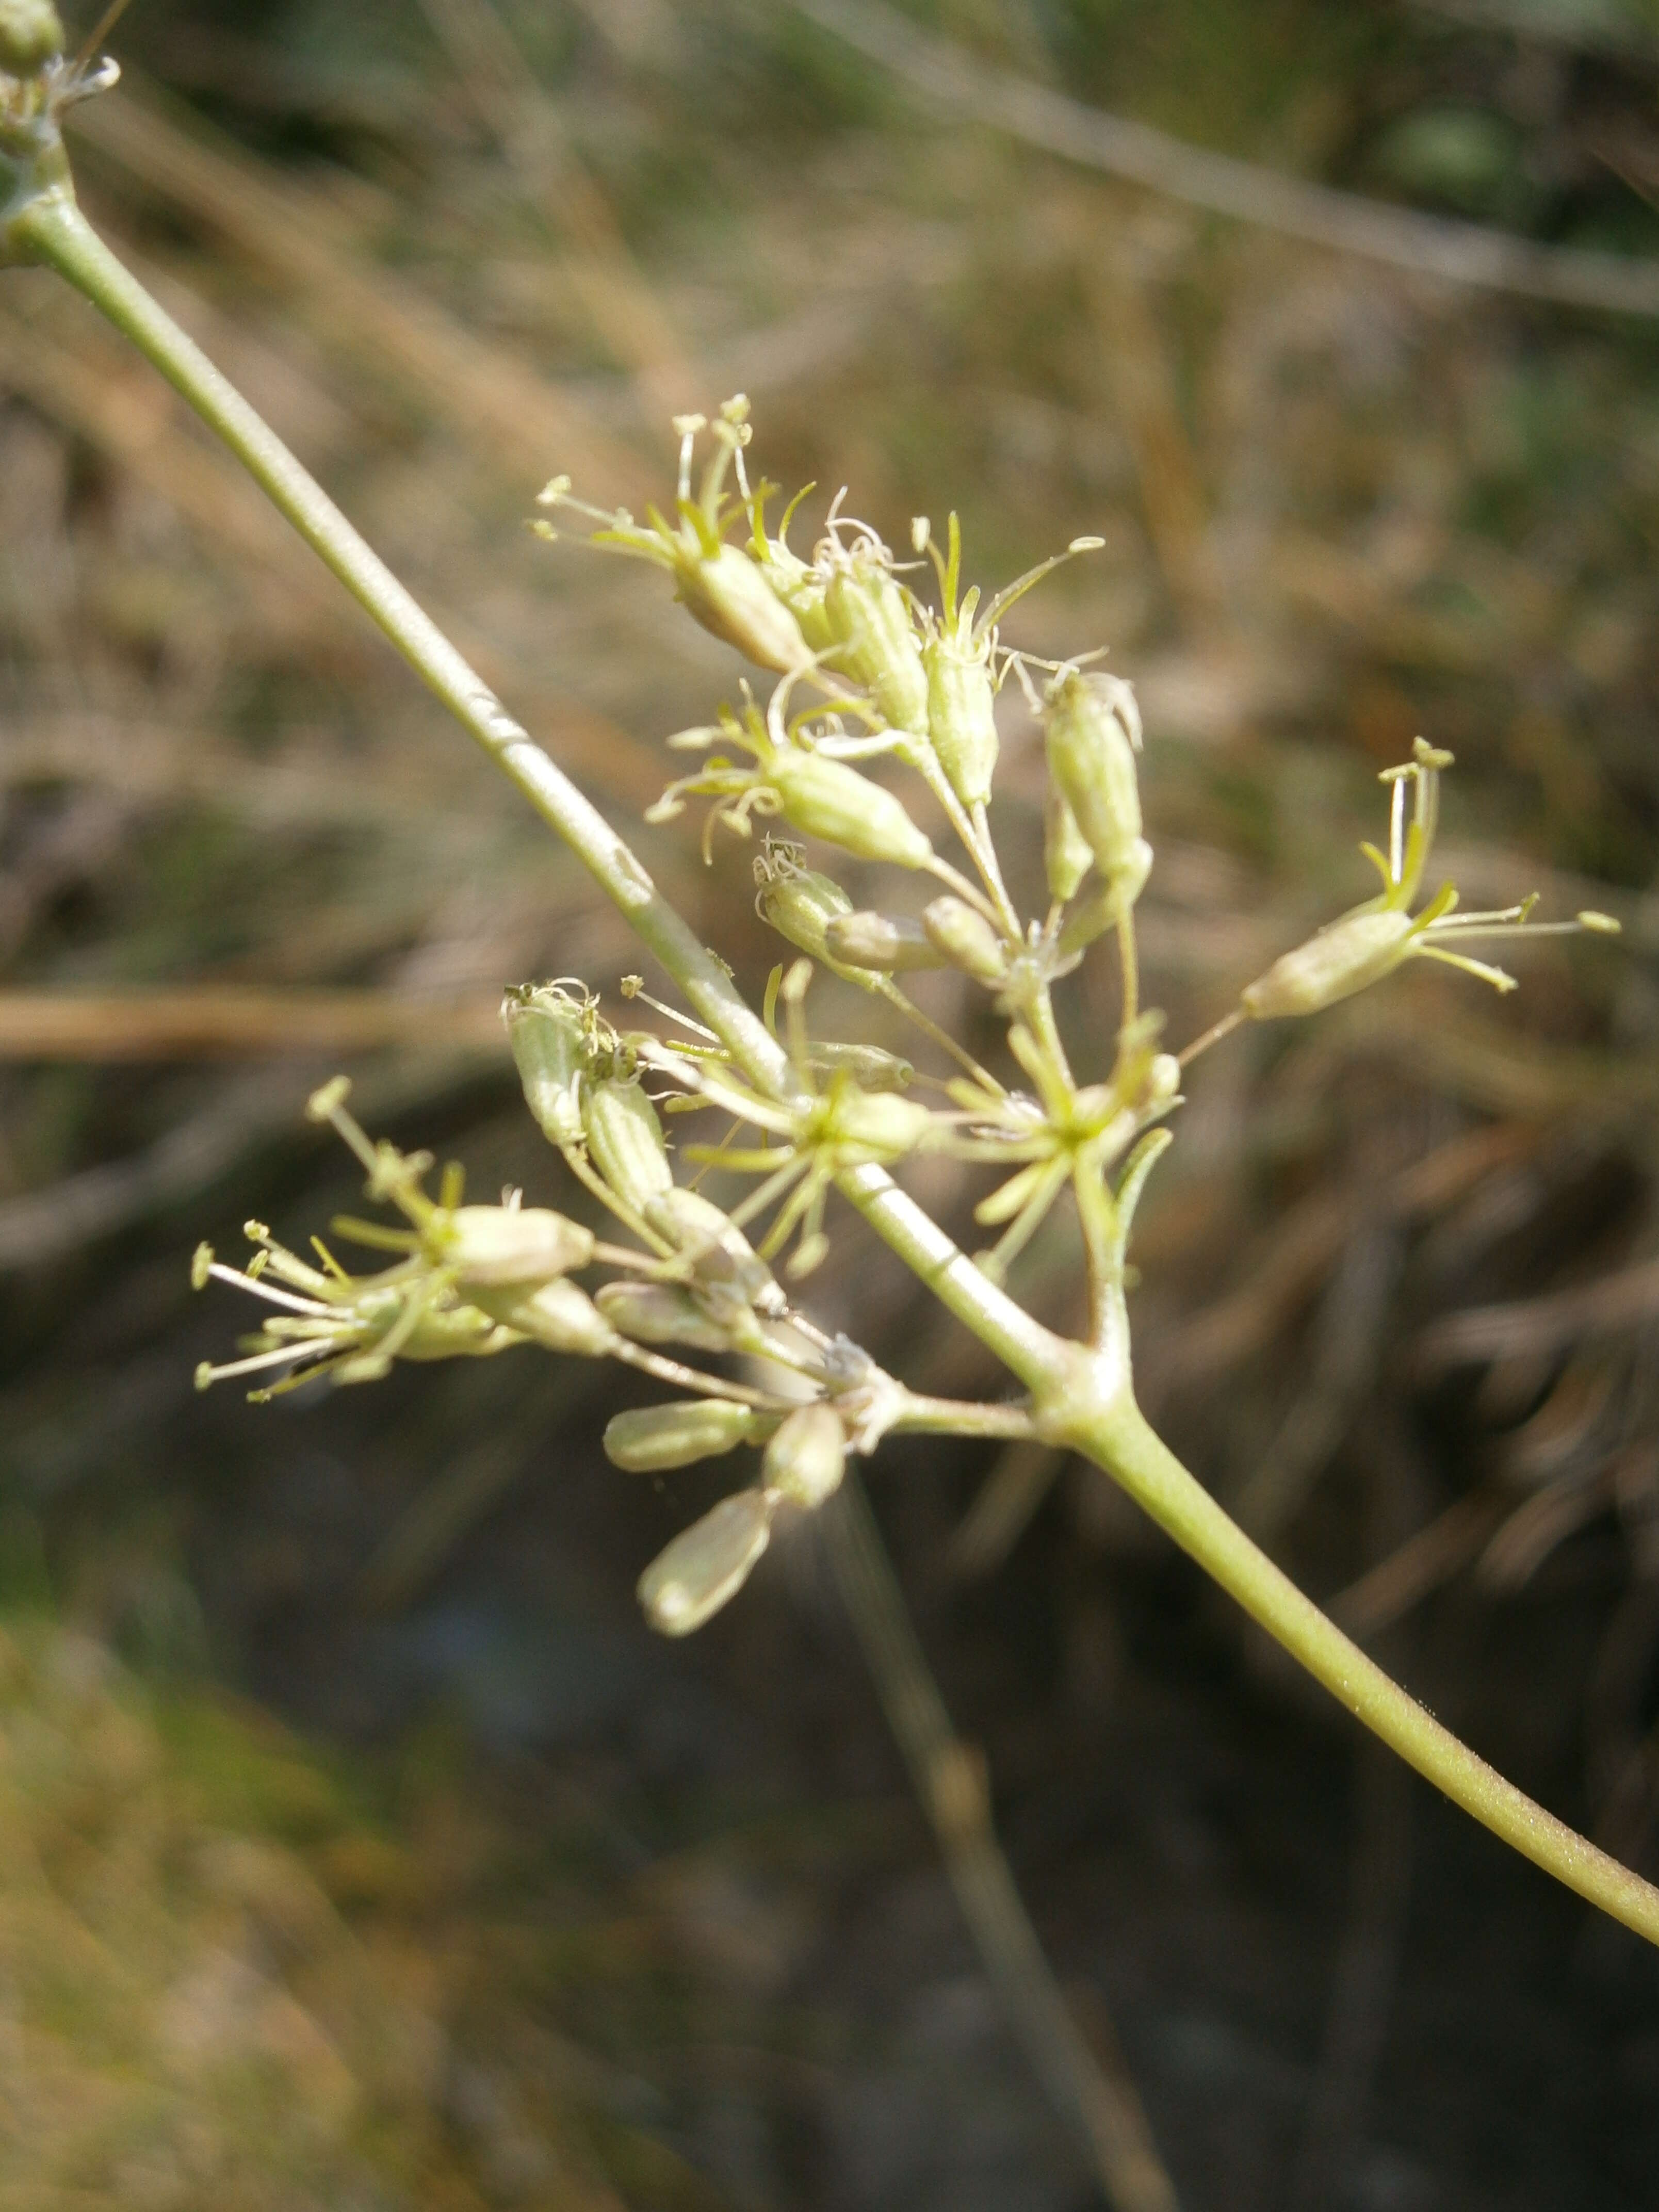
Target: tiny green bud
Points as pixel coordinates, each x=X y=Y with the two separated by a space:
x=871 y=1066
x=649 y=1439
x=1356 y=950
x=562 y=1317
x=201 y=1266
x=805 y=1460
x=1067 y=854
x=966 y=939
x=1599 y=925
x=962 y=715
x=1093 y=729
x=496 y=1245
x=829 y=800
x=883 y=942
x=729 y=596
x=707 y=1565
x=868 y=616
x=30 y=35
x=658 y=1313
x=625 y=1140
x=801 y=904
x=548 y=1038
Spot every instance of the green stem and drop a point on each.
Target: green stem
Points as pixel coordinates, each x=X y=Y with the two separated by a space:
x=1083 y=1397
x=1119 y=1439
x=961 y=1417
x=52 y=230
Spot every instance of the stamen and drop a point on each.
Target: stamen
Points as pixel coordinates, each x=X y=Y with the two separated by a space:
x=251 y=1284
x=207 y=1374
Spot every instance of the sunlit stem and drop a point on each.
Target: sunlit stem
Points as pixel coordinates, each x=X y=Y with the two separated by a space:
x=955 y=1416
x=942 y=1037
x=689 y=1378
x=1128 y=963
x=1213 y=1035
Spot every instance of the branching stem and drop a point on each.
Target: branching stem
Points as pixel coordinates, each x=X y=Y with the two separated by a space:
x=1082 y=1395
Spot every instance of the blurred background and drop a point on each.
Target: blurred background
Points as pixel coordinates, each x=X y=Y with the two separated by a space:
x=363 y=1846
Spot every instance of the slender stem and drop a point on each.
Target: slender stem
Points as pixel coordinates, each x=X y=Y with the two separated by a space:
x=985 y=853
x=1119 y=1439
x=1213 y=1035
x=961 y=1417
x=55 y=232
x=693 y=1378
x=1129 y=963
x=971 y=892
x=943 y=1038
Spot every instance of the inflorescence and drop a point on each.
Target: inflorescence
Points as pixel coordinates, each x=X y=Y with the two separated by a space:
x=866 y=669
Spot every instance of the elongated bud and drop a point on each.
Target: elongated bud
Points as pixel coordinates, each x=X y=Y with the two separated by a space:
x=649 y=1439
x=562 y=1317
x=961 y=716
x=801 y=904
x=550 y=1043
x=494 y=1245
x=625 y=1140
x=966 y=939
x=885 y=943
x=1341 y=960
x=871 y=1066
x=707 y=1565
x=722 y=1258
x=658 y=1313
x=1067 y=855
x=30 y=35
x=879 y=1125
x=829 y=800
x=805 y=1460
x=729 y=596
x=1093 y=728
x=869 y=617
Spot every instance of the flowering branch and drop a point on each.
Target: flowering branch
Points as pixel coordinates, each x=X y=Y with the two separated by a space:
x=857 y=619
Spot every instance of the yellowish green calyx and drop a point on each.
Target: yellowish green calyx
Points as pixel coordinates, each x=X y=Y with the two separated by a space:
x=650 y=1439
x=707 y=1565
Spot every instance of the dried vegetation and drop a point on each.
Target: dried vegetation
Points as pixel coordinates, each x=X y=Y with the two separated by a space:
x=1398 y=1292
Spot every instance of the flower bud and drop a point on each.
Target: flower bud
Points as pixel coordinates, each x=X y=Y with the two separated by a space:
x=868 y=616
x=659 y=1313
x=548 y=1038
x=877 y=1126
x=871 y=1066
x=801 y=904
x=882 y=942
x=966 y=939
x=729 y=596
x=804 y=1459
x=829 y=800
x=625 y=1140
x=494 y=1245
x=706 y=1564
x=648 y=1439
x=962 y=715
x=1341 y=960
x=721 y=1256
x=30 y=35
x=1066 y=853
x=562 y=1317
x=1093 y=727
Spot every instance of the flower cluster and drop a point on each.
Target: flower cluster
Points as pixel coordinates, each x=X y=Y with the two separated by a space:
x=866 y=668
